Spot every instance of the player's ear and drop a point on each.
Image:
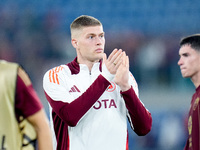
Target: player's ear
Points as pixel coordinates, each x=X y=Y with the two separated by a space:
x=74 y=43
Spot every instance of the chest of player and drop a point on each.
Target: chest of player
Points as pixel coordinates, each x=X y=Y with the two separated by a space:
x=110 y=99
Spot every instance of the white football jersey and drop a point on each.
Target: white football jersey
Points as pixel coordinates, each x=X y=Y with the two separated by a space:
x=87 y=110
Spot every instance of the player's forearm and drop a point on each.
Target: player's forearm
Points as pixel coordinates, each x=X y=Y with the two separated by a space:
x=41 y=125
x=140 y=116
x=44 y=136
x=44 y=139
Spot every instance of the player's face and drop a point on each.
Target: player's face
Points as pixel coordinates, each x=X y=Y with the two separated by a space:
x=189 y=61
x=90 y=44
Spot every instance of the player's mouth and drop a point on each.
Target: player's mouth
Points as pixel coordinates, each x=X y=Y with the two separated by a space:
x=99 y=50
x=182 y=68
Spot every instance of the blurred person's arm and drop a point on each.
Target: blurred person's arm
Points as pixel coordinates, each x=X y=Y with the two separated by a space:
x=41 y=126
x=30 y=107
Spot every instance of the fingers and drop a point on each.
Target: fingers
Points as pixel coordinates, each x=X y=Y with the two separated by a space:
x=117 y=63
x=115 y=56
x=122 y=73
x=104 y=58
x=112 y=54
x=127 y=62
x=125 y=59
x=115 y=59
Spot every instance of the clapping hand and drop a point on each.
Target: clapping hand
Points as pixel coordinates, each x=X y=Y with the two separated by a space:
x=118 y=64
x=114 y=60
x=122 y=74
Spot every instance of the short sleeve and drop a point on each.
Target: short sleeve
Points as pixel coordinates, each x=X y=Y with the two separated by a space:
x=27 y=101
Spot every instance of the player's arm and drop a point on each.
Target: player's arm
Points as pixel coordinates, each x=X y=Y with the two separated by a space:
x=41 y=126
x=71 y=109
x=29 y=106
x=140 y=117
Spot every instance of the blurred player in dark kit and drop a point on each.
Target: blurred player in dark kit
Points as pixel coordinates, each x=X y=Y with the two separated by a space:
x=189 y=63
x=24 y=124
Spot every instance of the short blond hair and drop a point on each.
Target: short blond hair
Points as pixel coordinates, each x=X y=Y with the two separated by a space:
x=83 y=21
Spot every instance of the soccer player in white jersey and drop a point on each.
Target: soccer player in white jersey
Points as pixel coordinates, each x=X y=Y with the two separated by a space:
x=91 y=97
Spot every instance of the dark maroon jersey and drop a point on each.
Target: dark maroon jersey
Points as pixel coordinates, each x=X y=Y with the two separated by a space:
x=193 y=142
x=26 y=100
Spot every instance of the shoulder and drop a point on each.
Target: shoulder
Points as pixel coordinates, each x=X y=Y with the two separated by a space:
x=8 y=66
x=53 y=75
x=4 y=62
x=24 y=76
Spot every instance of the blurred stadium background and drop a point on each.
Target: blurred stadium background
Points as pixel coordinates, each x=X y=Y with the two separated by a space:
x=36 y=35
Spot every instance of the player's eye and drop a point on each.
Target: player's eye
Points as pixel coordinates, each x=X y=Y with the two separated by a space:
x=91 y=37
x=102 y=35
x=185 y=55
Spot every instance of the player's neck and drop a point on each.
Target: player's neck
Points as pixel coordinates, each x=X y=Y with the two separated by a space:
x=89 y=64
x=196 y=80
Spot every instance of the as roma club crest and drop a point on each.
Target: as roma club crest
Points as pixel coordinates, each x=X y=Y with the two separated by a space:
x=111 y=87
x=196 y=103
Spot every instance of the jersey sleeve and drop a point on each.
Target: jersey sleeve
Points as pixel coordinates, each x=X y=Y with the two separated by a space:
x=68 y=107
x=139 y=117
x=27 y=101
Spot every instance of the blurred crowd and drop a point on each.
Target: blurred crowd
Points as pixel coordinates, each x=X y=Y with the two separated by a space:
x=37 y=42
x=36 y=34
